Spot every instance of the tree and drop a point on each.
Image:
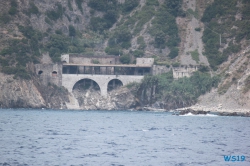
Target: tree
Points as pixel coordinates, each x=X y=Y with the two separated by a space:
x=125 y=59
x=72 y=31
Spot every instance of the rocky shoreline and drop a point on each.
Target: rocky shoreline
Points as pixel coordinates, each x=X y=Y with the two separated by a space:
x=198 y=110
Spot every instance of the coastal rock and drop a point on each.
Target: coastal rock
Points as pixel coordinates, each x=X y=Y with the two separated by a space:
x=195 y=112
x=117 y=99
x=246 y=114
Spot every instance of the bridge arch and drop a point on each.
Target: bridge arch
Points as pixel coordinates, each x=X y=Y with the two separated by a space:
x=85 y=84
x=114 y=83
x=69 y=80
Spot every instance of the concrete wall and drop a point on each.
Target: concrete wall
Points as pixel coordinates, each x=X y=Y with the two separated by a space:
x=144 y=61
x=69 y=80
x=45 y=73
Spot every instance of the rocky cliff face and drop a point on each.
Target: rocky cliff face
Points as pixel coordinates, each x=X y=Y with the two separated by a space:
x=18 y=93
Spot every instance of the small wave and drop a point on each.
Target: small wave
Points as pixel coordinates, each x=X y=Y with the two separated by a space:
x=190 y=114
x=153 y=128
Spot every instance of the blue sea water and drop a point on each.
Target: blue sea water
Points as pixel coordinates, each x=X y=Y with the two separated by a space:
x=115 y=138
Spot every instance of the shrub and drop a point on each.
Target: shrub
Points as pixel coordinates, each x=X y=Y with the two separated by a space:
x=141 y=42
x=32 y=9
x=173 y=53
x=160 y=40
x=47 y=20
x=13 y=10
x=152 y=2
x=5 y=18
x=175 y=93
x=138 y=53
x=125 y=59
x=129 y=5
x=102 y=5
x=174 y=7
x=197 y=29
x=95 y=61
x=195 y=55
x=72 y=31
x=112 y=50
x=70 y=6
x=164 y=29
x=176 y=64
x=55 y=14
x=79 y=5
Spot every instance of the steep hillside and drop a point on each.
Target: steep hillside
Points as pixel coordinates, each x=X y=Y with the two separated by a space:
x=211 y=33
x=226 y=45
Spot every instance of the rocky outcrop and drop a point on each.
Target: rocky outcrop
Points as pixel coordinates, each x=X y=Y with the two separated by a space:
x=194 y=112
x=118 y=99
x=19 y=93
x=16 y=93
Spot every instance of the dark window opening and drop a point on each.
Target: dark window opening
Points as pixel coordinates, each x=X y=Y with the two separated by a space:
x=54 y=73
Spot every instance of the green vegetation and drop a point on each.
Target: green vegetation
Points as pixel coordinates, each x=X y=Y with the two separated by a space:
x=152 y=2
x=141 y=42
x=13 y=8
x=72 y=30
x=70 y=5
x=110 y=10
x=20 y=52
x=33 y=9
x=56 y=14
x=194 y=13
x=224 y=11
x=59 y=43
x=47 y=20
x=222 y=89
x=197 y=29
x=141 y=17
x=175 y=93
x=79 y=5
x=164 y=27
x=138 y=53
x=95 y=61
x=129 y=5
x=125 y=59
x=119 y=40
x=195 y=55
x=247 y=85
x=4 y=18
x=113 y=51
x=173 y=53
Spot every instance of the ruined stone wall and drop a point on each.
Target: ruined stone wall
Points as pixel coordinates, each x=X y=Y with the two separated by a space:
x=49 y=73
x=180 y=72
x=144 y=61
x=93 y=60
x=157 y=69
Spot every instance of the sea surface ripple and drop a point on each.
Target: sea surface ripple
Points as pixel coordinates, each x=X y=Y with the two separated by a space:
x=115 y=138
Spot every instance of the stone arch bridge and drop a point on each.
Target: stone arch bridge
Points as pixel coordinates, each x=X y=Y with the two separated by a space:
x=69 y=80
